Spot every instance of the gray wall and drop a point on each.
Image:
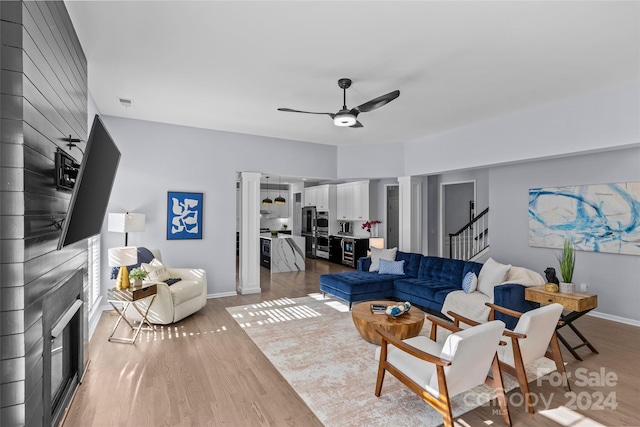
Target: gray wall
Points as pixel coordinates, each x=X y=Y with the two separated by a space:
x=613 y=277
x=456 y=209
x=44 y=96
x=158 y=157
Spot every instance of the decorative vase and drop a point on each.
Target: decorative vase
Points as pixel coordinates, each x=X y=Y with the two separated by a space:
x=567 y=288
x=137 y=283
x=551 y=287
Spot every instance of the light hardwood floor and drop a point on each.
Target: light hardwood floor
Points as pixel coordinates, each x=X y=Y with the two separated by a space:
x=205 y=371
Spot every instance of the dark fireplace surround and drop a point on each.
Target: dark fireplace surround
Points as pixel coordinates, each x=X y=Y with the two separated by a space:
x=63 y=351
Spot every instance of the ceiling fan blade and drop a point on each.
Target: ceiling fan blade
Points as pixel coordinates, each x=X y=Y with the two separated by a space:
x=378 y=102
x=357 y=125
x=289 y=110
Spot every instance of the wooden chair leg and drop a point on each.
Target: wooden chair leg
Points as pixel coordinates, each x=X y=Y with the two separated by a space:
x=381 y=368
x=445 y=402
x=521 y=375
x=499 y=386
x=557 y=357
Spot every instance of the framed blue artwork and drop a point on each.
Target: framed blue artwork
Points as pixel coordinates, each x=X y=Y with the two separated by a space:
x=184 y=215
x=595 y=217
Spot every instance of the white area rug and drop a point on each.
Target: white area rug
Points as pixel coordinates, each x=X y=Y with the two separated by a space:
x=316 y=348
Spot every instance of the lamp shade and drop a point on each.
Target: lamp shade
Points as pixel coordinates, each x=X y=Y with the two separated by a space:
x=126 y=222
x=376 y=242
x=123 y=256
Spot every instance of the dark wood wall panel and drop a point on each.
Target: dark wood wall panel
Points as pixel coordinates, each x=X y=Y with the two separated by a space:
x=12 y=275
x=15 y=370
x=12 y=322
x=11 y=34
x=43 y=98
x=11 y=156
x=37 y=267
x=69 y=34
x=53 y=56
x=11 y=83
x=12 y=179
x=11 y=58
x=11 y=203
x=11 y=131
x=70 y=54
x=38 y=204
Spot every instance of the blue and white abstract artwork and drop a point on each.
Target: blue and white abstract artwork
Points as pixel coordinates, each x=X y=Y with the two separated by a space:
x=597 y=218
x=184 y=215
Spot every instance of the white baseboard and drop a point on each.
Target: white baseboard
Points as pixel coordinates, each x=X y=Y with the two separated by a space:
x=613 y=318
x=94 y=316
x=222 y=294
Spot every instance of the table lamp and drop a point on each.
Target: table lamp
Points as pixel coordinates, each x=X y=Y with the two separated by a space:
x=123 y=257
x=376 y=242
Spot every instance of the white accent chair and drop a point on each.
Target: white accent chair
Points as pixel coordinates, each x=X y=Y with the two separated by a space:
x=436 y=372
x=529 y=341
x=175 y=302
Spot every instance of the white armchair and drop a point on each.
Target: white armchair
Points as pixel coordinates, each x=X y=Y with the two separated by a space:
x=175 y=302
x=436 y=372
x=530 y=340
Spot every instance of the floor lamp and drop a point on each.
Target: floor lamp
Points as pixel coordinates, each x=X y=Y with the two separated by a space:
x=126 y=223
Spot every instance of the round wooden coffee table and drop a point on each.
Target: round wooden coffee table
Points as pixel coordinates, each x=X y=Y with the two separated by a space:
x=406 y=326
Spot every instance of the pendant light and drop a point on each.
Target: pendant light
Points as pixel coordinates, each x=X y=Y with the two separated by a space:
x=280 y=200
x=267 y=200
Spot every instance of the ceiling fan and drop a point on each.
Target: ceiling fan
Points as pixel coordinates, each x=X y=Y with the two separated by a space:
x=349 y=117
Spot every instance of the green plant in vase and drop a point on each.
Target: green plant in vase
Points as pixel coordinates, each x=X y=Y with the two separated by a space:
x=138 y=275
x=567 y=263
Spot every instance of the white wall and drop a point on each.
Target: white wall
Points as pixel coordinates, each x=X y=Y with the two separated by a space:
x=370 y=161
x=158 y=157
x=613 y=277
x=593 y=122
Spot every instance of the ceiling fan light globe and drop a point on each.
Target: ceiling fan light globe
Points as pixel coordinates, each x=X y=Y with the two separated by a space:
x=344 y=120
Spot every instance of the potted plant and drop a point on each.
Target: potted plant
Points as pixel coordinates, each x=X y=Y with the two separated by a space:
x=138 y=275
x=567 y=262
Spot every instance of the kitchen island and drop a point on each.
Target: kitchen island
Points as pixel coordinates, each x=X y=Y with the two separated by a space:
x=282 y=253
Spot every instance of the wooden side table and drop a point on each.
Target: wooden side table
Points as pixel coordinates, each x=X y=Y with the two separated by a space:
x=406 y=326
x=127 y=297
x=577 y=305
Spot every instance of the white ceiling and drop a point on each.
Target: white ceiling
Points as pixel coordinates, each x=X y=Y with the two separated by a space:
x=228 y=65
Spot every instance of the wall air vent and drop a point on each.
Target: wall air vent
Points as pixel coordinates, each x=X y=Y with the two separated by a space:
x=126 y=103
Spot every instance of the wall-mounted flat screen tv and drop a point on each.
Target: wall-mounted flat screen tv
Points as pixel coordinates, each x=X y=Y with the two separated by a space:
x=92 y=188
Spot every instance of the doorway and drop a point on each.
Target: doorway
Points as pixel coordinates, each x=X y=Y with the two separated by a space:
x=393 y=215
x=457 y=209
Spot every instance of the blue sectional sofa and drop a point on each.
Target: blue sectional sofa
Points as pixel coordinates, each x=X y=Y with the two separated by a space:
x=426 y=282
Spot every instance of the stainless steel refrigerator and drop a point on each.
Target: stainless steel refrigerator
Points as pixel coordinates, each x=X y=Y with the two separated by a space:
x=309 y=230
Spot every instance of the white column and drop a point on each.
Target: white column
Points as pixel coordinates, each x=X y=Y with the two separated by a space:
x=410 y=214
x=249 y=278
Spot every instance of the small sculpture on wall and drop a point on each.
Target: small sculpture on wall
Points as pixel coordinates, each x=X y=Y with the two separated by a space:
x=550 y=273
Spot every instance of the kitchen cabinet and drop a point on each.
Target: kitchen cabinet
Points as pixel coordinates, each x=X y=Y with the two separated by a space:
x=353 y=201
x=310 y=196
x=321 y=196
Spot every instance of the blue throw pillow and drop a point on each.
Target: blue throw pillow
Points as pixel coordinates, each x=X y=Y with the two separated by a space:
x=391 y=267
x=470 y=282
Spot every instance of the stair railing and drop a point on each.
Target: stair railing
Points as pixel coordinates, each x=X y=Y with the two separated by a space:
x=471 y=239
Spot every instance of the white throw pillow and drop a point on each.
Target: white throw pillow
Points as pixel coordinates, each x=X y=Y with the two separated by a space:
x=157 y=271
x=377 y=254
x=492 y=273
x=470 y=282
